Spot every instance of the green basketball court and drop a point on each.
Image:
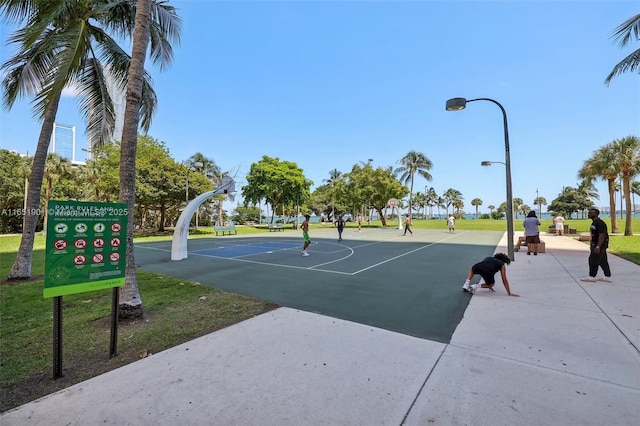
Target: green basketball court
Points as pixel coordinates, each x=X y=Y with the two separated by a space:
x=408 y=284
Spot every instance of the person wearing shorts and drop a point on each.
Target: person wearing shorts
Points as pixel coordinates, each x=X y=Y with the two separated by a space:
x=340 y=225
x=487 y=269
x=451 y=223
x=531 y=225
x=305 y=234
x=559 y=224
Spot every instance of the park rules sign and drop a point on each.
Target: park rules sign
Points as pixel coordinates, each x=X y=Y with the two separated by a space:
x=85 y=247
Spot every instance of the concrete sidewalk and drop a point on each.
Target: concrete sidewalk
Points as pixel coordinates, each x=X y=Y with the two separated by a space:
x=564 y=353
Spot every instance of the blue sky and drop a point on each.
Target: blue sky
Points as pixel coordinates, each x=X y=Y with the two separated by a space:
x=327 y=84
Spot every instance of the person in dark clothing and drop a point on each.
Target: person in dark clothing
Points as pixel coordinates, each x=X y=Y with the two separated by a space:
x=407 y=226
x=340 y=224
x=487 y=269
x=598 y=249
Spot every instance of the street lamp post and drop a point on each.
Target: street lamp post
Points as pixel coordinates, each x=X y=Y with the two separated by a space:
x=458 y=104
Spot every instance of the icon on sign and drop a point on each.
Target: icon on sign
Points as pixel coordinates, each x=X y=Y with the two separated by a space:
x=81 y=227
x=60 y=244
x=98 y=258
x=115 y=242
x=99 y=227
x=61 y=228
x=98 y=243
x=79 y=259
x=116 y=227
x=80 y=244
x=114 y=257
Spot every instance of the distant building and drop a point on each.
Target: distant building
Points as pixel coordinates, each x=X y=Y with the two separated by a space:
x=119 y=99
x=63 y=143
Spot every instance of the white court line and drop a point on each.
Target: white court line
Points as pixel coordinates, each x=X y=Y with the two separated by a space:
x=337 y=260
x=404 y=254
x=313 y=267
x=309 y=268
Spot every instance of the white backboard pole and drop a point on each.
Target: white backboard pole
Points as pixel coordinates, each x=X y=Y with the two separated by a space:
x=180 y=234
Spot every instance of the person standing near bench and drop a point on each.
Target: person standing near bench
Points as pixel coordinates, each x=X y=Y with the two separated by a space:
x=599 y=245
x=305 y=234
x=558 y=221
x=532 y=232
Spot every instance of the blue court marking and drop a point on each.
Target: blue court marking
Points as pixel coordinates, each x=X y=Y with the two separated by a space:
x=230 y=252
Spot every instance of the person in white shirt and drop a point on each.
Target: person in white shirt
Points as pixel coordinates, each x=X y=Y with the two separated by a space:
x=451 y=223
x=558 y=221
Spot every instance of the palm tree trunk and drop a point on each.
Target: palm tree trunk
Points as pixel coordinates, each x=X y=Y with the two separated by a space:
x=626 y=187
x=21 y=268
x=612 y=205
x=130 y=305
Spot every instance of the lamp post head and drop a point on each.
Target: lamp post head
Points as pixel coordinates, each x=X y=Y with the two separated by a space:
x=486 y=163
x=456 y=104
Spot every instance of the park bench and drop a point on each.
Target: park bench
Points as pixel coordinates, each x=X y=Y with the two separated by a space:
x=522 y=242
x=225 y=229
x=567 y=230
x=275 y=227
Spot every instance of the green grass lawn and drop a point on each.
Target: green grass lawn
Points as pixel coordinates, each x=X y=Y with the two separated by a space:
x=175 y=311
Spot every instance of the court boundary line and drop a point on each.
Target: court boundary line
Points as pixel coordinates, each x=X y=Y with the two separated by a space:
x=404 y=254
x=314 y=267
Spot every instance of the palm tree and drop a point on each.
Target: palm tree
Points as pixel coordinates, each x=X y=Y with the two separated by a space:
x=412 y=163
x=540 y=201
x=458 y=204
x=65 y=44
x=55 y=169
x=334 y=175
x=491 y=208
x=627 y=152
x=476 y=202
x=212 y=172
x=164 y=27
x=587 y=190
x=431 y=199
x=622 y=36
x=449 y=197
x=517 y=202
x=602 y=165
x=635 y=190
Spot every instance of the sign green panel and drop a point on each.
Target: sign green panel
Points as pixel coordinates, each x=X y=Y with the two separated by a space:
x=86 y=247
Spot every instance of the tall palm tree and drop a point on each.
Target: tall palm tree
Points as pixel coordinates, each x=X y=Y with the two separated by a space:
x=412 y=163
x=622 y=36
x=602 y=165
x=449 y=197
x=627 y=152
x=517 y=202
x=587 y=190
x=476 y=202
x=65 y=44
x=334 y=175
x=164 y=27
x=212 y=172
x=55 y=169
x=540 y=201
x=431 y=199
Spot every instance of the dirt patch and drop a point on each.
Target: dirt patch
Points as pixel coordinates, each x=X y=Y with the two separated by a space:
x=19 y=281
